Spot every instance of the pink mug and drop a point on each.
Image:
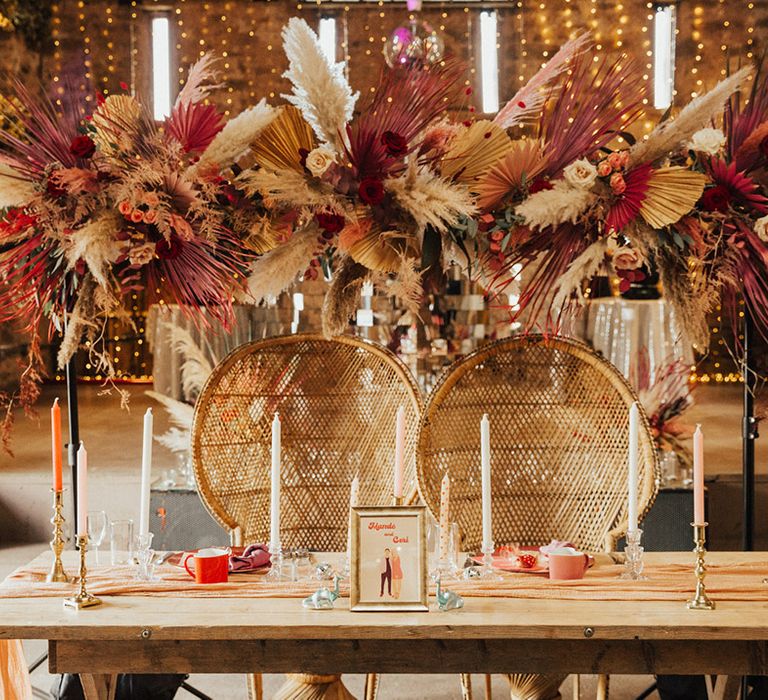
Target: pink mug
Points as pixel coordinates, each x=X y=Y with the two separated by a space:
x=566 y=564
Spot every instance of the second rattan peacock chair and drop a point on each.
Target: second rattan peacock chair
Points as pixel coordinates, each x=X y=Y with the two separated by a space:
x=337 y=401
x=559 y=446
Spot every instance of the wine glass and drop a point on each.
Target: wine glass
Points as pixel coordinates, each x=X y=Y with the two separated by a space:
x=97 y=529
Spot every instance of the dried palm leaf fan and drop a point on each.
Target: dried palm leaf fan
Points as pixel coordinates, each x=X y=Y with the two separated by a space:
x=337 y=401
x=522 y=163
x=559 y=427
x=671 y=194
x=474 y=151
x=279 y=144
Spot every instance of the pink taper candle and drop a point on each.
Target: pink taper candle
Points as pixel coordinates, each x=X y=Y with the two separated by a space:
x=399 y=451
x=698 y=476
x=82 y=491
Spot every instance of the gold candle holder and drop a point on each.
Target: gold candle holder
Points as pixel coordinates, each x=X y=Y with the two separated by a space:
x=700 y=600
x=398 y=500
x=57 y=573
x=83 y=599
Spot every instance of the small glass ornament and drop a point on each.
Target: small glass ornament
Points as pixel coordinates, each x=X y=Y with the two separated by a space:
x=413 y=45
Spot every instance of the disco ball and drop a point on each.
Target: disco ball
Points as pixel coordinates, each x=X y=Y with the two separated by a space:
x=413 y=45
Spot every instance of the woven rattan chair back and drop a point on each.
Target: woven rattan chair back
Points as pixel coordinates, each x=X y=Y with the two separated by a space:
x=559 y=418
x=337 y=401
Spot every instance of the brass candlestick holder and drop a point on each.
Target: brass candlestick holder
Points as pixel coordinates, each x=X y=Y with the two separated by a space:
x=57 y=573
x=398 y=500
x=700 y=600
x=83 y=599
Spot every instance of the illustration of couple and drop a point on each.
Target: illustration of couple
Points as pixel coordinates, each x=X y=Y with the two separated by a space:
x=391 y=574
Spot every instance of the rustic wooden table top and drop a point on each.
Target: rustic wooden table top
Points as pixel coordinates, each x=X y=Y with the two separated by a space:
x=180 y=618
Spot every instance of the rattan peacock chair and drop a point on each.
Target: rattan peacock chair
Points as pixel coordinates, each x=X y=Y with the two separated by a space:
x=559 y=445
x=337 y=401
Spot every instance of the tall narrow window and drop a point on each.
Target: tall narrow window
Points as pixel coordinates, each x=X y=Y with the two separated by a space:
x=663 y=56
x=327 y=33
x=489 y=61
x=161 y=67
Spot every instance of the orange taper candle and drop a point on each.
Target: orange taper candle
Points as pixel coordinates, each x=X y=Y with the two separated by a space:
x=56 y=444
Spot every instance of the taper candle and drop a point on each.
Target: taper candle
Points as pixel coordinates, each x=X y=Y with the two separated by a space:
x=354 y=496
x=445 y=517
x=634 y=433
x=56 y=444
x=485 y=473
x=146 y=473
x=82 y=491
x=399 y=451
x=274 y=522
x=698 y=476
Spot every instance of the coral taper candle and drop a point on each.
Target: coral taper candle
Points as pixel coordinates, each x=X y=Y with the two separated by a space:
x=445 y=517
x=485 y=474
x=698 y=476
x=56 y=444
x=354 y=496
x=82 y=491
x=399 y=451
x=146 y=473
x=634 y=433
x=274 y=522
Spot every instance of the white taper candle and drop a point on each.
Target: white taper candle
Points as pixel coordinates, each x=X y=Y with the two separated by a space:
x=82 y=491
x=485 y=471
x=274 y=533
x=633 y=480
x=146 y=473
x=399 y=451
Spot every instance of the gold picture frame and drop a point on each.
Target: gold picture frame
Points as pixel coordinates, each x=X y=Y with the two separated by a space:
x=389 y=559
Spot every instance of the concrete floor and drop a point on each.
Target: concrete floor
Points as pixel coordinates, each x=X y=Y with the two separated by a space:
x=113 y=439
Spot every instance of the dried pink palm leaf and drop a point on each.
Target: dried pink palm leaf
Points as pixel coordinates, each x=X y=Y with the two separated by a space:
x=591 y=110
x=529 y=100
x=406 y=101
x=194 y=125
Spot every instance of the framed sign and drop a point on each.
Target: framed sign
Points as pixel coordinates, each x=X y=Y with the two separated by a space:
x=388 y=559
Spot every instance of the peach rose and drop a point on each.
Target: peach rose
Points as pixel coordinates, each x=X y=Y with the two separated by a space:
x=150 y=217
x=136 y=216
x=626 y=258
x=614 y=160
x=604 y=169
x=142 y=254
x=125 y=208
x=618 y=185
x=181 y=226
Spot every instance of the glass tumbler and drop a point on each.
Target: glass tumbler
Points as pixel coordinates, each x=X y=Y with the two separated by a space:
x=121 y=541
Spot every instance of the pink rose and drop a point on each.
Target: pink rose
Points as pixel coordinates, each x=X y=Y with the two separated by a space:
x=150 y=199
x=125 y=208
x=136 y=216
x=618 y=185
x=181 y=226
x=624 y=158
x=604 y=168
x=614 y=160
x=150 y=217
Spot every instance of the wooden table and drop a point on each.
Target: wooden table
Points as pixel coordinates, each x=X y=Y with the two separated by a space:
x=490 y=635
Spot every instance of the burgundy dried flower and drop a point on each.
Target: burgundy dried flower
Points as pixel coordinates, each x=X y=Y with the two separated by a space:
x=395 y=144
x=539 y=184
x=330 y=222
x=716 y=198
x=371 y=191
x=82 y=146
x=169 y=249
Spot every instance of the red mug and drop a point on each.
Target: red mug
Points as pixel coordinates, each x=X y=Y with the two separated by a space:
x=211 y=565
x=566 y=564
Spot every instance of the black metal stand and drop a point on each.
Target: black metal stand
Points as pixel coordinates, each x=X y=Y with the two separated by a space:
x=749 y=435
x=74 y=428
